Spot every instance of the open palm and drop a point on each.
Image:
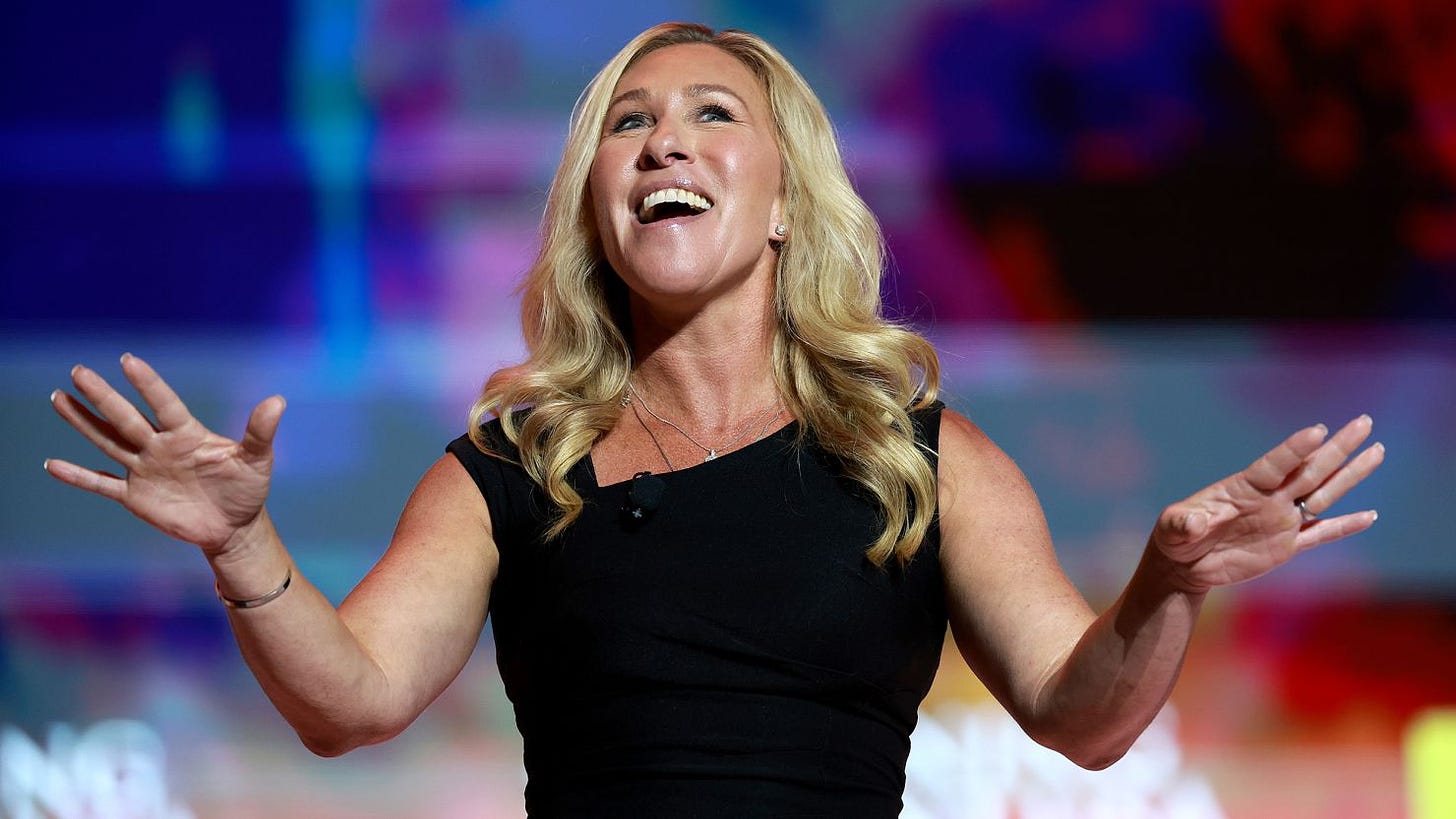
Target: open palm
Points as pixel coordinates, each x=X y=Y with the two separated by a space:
x=179 y=476
x=1251 y=522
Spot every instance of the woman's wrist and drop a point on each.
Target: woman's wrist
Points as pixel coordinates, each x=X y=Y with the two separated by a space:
x=1162 y=574
x=254 y=602
x=251 y=565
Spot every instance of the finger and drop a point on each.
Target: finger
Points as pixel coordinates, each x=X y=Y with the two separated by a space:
x=263 y=425
x=1274 y=467
x=1318 y=467
x=95 y=430
x=170 y=411
x=104 y=484
x=1327 y=530
x=130 y=424
x=1345 y=478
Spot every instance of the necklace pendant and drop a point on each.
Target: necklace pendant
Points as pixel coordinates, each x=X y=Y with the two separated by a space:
x=712 y=453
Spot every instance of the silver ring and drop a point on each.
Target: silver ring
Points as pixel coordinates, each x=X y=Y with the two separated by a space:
x=1304 y=513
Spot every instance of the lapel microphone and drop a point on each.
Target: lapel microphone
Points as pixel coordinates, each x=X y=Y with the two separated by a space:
x=644 y=495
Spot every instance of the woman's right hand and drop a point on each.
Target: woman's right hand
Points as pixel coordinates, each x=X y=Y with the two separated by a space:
x=180 y=477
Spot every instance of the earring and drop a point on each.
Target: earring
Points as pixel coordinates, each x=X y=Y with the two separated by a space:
x=781 y=231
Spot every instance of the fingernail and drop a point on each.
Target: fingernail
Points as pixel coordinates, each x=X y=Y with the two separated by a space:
x=75 y=370
x=54 y=393
x=1374 y=515
x=46 y=464
x=124 y=357
x=1365 y=416
x=1324 y=430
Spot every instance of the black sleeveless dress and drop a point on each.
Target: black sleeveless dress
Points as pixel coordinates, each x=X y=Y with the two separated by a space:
x=733 y=654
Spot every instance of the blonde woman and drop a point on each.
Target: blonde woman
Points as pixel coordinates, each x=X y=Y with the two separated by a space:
x=719 y=520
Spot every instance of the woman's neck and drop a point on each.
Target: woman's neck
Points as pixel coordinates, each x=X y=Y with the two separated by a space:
x=709 y=372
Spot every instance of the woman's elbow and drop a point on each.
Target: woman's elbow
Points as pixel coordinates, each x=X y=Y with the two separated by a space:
x=331 y=744
x=335 y=741
x=1096 y=759
x=1087 y=750
x=328 y=747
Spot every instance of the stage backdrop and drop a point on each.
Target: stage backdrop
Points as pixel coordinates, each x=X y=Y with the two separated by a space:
x=1150 y=239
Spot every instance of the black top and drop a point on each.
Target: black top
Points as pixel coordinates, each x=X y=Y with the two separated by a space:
x=732 y=654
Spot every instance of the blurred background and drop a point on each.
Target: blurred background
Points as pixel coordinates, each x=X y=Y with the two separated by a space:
x=1150 y=238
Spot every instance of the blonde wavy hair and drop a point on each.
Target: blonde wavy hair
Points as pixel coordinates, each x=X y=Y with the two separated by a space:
x=850 y=376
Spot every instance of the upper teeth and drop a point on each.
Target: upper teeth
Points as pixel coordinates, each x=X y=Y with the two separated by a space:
x=686 y=197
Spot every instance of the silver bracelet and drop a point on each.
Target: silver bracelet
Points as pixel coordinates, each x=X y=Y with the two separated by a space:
x=253 y=603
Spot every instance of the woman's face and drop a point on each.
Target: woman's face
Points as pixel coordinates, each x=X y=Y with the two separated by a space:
x=685 y=182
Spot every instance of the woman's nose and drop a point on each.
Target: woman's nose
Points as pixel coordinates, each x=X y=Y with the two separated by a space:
x=665 y=146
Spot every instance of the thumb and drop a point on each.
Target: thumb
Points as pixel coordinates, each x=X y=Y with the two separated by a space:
x=263 y=425
x=1181 y=524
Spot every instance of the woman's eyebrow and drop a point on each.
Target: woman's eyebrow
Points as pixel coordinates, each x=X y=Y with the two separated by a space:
x=704 y=89
x=636 y=95
x=695 y=90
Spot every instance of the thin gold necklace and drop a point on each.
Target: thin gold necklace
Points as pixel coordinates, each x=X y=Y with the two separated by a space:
x=712 y=452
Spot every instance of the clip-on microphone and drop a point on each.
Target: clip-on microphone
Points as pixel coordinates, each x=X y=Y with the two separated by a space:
x=644 y=495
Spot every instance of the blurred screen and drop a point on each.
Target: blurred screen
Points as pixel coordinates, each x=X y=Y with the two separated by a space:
x=1150 y=239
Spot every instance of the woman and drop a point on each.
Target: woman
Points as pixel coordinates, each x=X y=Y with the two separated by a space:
x=722 y=523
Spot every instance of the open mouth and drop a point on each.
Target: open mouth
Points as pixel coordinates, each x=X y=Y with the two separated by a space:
x=670 y=203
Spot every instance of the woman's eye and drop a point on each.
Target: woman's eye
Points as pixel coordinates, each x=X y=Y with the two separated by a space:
x=714 y=113
x=628 y=122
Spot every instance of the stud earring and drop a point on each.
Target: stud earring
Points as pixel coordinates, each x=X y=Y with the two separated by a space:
x=781 y=231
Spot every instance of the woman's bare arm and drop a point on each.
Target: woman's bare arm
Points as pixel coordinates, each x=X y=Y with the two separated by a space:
x=342 y=678
x=1088 y=685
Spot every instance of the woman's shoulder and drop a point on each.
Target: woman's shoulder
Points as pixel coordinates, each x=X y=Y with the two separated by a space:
x=488 y=440
x=964 y=444
x=517 y=508
x=488 y=454
x=977 y=479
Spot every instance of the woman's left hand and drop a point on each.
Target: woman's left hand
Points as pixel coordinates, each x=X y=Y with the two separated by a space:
x=1252 y=522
